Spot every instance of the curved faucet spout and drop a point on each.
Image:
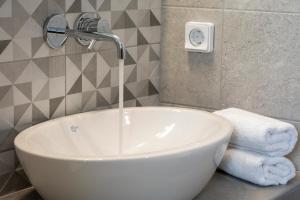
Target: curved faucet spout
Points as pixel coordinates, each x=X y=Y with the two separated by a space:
x=101 y=37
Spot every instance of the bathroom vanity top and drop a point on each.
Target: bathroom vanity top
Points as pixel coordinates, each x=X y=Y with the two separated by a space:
x=221 y=186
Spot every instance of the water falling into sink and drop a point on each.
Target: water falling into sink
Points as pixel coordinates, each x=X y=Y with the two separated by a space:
x=121 y=105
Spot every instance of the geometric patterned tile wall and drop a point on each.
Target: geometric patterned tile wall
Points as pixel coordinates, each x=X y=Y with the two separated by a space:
x=38 y=83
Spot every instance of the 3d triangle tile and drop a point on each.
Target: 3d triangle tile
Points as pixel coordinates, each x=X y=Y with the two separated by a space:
x=155 y=18
x=77 y=86
x=130 y=74
x=152 y=90
x=154 y=77
x=7 y=53
x=120 y=5
x=39 y=48
x=25 y=75
x=132 y=5
x=4 y=81
x=41 y=66
x=109 y=57
x=90 y=71
x=105 y=81
x=114 y=95
x=43 y=93
x=73 y=6
x=40 y=111
x=148 y=100
x=26 y=89
x=129 y=59
x=30 y=29
x=153 y=56
x=104 y=5
x=73 y=103
x=88 y=5
x=101 y=100
x=103 y=72
x=56 y=105
x=114 y=80
x=140 y=17
x=87 y=85
x=6 y=96
x=8 y=142
x=73 y=69
x=88 y=59
x=6 y=8
x=143 y=54
x=21 y=48
x=127 y=94
x=18 y=69
x=57 y=87
x=89 y=101
x=75 y=60
x=8 y=122
x=20 y=15
x=3 y=45
x=56 y=6
x=30 y=5
x=128 y=36
x=41 y=13
x=132 y=87
x=121 y=20
x=23 y=114
x=151 y=34
x=142 y=88
x=141 y=40
x=42 y=106
x=19 y=98
x=4 y=35
x=106 y=93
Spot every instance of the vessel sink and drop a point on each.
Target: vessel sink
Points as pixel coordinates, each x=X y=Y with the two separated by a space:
x=166 y=154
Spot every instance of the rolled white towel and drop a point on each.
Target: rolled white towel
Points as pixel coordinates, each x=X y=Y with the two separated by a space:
x=259 y=133
x=256 y=168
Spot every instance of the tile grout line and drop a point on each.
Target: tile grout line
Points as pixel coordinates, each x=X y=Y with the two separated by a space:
x=222 y=61
x=232 y=9
x=207 y=108
x=262 y=11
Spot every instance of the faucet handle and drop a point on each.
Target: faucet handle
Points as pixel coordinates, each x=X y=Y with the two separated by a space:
x=103 y=26
x=91 y=45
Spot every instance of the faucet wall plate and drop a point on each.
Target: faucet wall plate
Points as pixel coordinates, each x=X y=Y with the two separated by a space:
x=54 y=31
x=80 y=25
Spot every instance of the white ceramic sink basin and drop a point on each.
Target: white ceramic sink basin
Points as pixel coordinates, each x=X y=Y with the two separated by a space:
x=168 y=154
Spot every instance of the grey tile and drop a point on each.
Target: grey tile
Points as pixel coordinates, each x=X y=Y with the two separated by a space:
x=73 y=103
x=195 y=3
x=149 y=4
x=265 y=5
x=6 y=8
x=7 y=165
x=261 y=64
x=189 y=78
x=16 y=182
x=26 y=194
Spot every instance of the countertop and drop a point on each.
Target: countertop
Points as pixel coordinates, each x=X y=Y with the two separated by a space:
x=221 y=186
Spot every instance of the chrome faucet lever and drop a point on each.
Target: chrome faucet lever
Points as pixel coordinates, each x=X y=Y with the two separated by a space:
x=91 y=45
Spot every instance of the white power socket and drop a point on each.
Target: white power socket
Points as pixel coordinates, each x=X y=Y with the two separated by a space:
x=199 y=36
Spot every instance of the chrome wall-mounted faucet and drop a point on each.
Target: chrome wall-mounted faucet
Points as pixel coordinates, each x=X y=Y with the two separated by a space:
x=88 y=29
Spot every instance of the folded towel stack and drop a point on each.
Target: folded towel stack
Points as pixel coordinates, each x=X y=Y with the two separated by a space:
x=257 y=148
